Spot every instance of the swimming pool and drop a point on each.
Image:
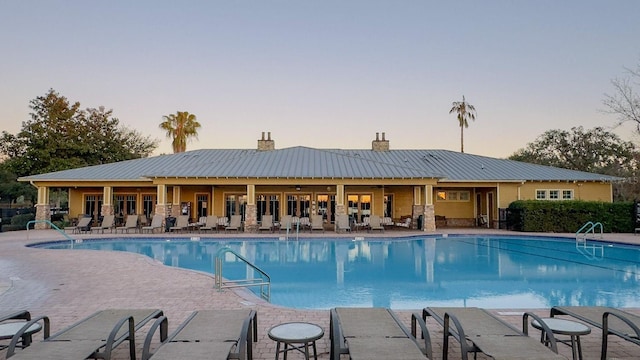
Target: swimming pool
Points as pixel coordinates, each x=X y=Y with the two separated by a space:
x=410 y=273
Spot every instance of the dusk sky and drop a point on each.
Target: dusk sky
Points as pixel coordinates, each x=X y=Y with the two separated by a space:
x=324 y=74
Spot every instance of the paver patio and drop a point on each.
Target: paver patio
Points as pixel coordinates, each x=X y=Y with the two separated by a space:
x=68 y=285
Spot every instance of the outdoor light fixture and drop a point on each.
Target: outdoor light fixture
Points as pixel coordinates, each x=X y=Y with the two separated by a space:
x=298 y=188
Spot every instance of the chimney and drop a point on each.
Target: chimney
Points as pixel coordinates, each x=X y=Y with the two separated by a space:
x=380 y=144
x=266 y=145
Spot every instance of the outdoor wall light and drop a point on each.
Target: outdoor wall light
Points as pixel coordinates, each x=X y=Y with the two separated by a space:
x=298 y=188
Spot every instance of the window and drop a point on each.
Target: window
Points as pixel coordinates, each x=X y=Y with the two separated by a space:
x=148 y=203
x=554 y=194
x=124 y=204
x=450 y=195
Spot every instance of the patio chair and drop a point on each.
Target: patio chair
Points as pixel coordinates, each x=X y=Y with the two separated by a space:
x=286 y=223
x=317 y=223
x=210 y=224
x=108 y=222
x=266 y=223
x=131 y=223
x=406 y=223
x=13 y=317
x=612 y=322
x=375 y=223
x=95 y=336
x=235 y=223
x=305 y=223
x=375 y=334
x=223 y=222
x=84 y=224
x=182 y=223
x=342 y=223
x=208 y=334
x=477 y=330
x=156 y=223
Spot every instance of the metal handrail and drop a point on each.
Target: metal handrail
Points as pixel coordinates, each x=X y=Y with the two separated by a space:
x=588 y=227
x=589 y=251
x=71 y=240
x=264 y=282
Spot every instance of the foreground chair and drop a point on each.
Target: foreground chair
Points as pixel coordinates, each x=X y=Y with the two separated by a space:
x=375 y=334
x=317 y=223
x=266 y=223
x=108 y=223
x=612 y=322
x=210 y=224
x=84 y=224
x=182 y=223
x=131 y=223
x=14 y=316
x=156 y=223
x=208 y=334
x=489 y=334
x=235 y=223
x=375 y=223
x=95 y=336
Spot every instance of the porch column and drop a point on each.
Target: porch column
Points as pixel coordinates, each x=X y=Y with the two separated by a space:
x=107 y=201
x=161 y=196
x=251 y=212
x=175 y=202
x=429 y=209
x=43 y=209
x=418 y=206
x=340 y=207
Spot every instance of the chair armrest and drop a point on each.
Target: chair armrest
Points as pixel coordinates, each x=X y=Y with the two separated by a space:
x=417 y=320
x=606 y=331
x=131 y=336
x=163 y=323
x=462 y=338
x=18 y=335
x=546 y=331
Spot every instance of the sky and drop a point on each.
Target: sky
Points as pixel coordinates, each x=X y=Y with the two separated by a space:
x=325 y=74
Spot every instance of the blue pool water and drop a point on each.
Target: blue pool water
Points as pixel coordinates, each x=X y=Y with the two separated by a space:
x=484 y=271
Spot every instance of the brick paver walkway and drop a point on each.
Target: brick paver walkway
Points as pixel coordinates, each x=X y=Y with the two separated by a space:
x=68 y=285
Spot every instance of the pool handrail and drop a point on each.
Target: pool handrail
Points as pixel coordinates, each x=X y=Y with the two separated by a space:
x=262 y=282
x=53 y=226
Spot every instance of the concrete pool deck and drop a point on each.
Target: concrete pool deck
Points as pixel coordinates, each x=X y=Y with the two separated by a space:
x=68 y=285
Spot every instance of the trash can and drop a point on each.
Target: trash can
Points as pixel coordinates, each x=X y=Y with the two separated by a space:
x=169 y=222
x=420 y=222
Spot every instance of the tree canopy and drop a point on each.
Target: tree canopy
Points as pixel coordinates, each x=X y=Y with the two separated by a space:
x=595 y=150
x=624 y=102
x=180 y=127
x=60 y=135
x=464 y=112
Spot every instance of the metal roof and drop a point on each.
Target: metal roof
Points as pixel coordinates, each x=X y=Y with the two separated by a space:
x=304 y=162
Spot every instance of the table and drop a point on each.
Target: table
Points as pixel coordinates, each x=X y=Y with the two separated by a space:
x=301 y=333
x=566 y=327
x=7 y=330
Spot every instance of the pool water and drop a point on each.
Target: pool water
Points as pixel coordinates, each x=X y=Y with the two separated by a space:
x=410 y=273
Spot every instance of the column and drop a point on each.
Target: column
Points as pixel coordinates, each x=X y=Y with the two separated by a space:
x=43 y=209
x=429 y=209
x=107 y=201
x=161 y=196
x=340 y=207
x=251 y=213
x=175 y=201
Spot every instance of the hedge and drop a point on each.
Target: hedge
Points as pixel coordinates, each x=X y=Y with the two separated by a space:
x=570 y=216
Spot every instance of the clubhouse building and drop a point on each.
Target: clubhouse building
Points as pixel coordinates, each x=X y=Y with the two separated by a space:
x=432 y=188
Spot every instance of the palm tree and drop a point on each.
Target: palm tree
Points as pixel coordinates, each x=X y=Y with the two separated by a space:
x=180 y=127
x=465 y=112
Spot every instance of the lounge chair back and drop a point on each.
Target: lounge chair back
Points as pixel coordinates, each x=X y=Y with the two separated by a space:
x=108 y=221
x=229 y=333
x=343 y=222
x=211 y=222
x=132 y=221
x=375 y=223
x=235 y=223
x=84 y=222
x=266 y=222
x=375 y=334
x=286 y=222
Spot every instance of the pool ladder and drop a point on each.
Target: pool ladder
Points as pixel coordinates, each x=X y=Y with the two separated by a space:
x=590 y=251
x=53 y=226
x=263 y=280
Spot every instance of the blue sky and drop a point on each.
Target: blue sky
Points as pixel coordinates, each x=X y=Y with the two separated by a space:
x=326 y=74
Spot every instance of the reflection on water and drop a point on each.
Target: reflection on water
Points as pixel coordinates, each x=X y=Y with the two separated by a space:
x=491 y=272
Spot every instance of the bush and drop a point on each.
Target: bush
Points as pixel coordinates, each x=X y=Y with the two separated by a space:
x=19 y=222
x=569 y=216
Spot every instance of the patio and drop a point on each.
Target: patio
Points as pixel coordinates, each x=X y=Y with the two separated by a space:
x=70 y=285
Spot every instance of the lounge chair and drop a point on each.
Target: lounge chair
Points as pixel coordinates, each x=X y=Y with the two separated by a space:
x=182 y=223
x=210 y=224
x=304 y=223
x=235 y=223
x=317 y=223
x=266 y=223
x=95 y=336
x=375 y=334
x=14 y=316
x=209 y=334
x=156 y=223
x=223 y=222
x=489 y=334
x=343 y=223
x=612 y=322
x=131 y=223
x=286 y=223
x=375 y=223
x=406 y=223
x=84 y=224
x=108 y=222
